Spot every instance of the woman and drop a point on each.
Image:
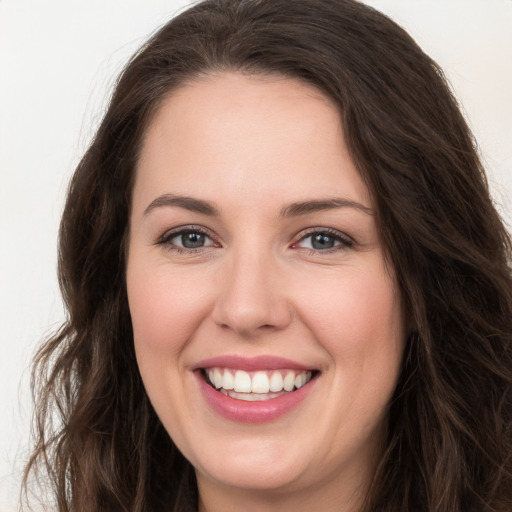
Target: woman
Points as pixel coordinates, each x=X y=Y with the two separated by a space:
x=287 y=285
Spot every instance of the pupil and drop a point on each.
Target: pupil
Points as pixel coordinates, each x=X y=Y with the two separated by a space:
x=322 y=241
x=192 y=240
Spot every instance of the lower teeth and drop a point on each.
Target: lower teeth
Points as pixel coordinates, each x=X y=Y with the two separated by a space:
x=252 y=397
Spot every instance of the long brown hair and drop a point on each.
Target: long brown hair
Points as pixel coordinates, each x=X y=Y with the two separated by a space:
x=450 y=421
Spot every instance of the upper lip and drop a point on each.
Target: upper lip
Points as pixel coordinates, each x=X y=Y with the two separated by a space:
x=251 y=363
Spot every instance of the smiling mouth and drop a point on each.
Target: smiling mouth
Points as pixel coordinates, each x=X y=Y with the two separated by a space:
x=256 y=386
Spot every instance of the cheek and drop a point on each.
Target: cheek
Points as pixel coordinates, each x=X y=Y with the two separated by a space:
x=359 y=323
x=166 y=311
x=358 y=319
x=165 y=306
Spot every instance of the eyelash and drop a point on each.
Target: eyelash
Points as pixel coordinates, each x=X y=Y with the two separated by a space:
x=345 y=242
x=165 y=239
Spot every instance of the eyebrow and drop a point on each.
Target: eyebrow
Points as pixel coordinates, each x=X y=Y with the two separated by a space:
x=292 y=210
x=312 y=206
x=188 y=203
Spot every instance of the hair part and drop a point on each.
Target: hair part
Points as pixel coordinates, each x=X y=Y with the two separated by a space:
x=450 y=421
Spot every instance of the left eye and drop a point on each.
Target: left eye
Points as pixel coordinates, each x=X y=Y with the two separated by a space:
x=322 y=240
x=191 y=239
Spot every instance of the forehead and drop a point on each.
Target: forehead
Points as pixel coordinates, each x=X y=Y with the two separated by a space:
x=247 y=136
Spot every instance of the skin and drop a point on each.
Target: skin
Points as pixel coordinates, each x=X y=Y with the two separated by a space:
x=252 y=146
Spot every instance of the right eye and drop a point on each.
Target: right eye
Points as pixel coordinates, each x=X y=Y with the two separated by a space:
x=191 y=240
x=186 y=240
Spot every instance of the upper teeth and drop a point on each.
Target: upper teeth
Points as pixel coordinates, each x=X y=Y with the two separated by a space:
x=257 y=382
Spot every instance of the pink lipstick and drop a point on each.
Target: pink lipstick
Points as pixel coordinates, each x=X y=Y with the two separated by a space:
x=253 y=390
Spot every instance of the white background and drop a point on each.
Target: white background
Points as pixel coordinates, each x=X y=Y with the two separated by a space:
x=58 y=62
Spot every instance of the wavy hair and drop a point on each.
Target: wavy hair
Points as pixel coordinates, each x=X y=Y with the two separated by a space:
x=449 y=446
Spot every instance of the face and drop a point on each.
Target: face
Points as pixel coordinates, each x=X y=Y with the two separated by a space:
x=268 y=328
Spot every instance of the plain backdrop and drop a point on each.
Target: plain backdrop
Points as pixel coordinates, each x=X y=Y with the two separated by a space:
x=59 y=59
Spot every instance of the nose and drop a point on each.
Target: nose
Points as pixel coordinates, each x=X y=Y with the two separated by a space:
x=251 y=298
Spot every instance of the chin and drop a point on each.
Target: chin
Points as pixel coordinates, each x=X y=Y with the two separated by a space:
x=254 y=470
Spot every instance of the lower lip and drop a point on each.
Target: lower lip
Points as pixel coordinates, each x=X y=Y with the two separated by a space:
x=252 y=412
